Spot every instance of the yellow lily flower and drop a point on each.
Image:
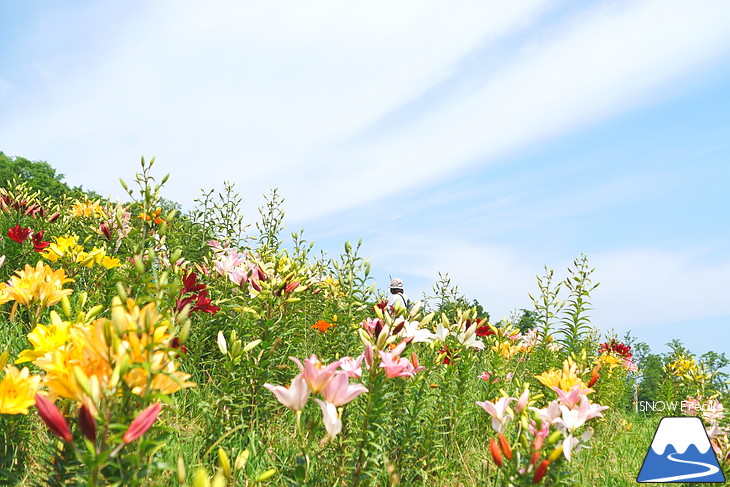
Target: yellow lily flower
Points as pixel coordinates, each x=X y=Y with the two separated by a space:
x=17 y=390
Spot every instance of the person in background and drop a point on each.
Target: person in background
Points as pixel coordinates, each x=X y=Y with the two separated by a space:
x=398 y=298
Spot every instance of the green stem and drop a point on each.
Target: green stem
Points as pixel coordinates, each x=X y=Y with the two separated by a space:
x=374 y=389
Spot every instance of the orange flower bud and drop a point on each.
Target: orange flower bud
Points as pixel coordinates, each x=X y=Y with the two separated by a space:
x=505 y=446
x=53 y=418
x=540 y=472
x=535 y=458
x=496 y=453
x=142 y=423
x=594 y=375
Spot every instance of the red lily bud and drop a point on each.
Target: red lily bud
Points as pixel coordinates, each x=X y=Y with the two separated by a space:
x=255 y=285
x=53 y=217
x=540 y=472
x=142 y=423
x=496 y=453
x=261 y=273
x=535 y=458
x=104 y=228
x=53 y=418
x=399 y=326
x=291 y=286
x=378 y=328
x=505 y=446
x=87 y=422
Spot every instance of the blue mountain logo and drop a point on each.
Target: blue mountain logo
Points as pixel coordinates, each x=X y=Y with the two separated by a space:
x=680 y=452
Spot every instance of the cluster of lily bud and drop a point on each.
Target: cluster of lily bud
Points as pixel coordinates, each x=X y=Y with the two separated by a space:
x=237 y=349
x=54 y=419
x=26 y=207
x=500 y=450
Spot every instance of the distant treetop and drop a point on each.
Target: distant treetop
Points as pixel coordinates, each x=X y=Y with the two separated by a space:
x=38 y=175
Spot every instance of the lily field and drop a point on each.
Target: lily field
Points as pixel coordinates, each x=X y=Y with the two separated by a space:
x=143 y=345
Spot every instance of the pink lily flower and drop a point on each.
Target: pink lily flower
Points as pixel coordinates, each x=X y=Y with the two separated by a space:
x=339 y=391
x=315 y=374
x=499 y=411
x=486 y=376
x=570 y=399
x=352 y=366
x=295 y=396
x=395 y=366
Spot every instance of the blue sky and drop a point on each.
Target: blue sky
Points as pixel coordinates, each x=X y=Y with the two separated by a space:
x=485 y=139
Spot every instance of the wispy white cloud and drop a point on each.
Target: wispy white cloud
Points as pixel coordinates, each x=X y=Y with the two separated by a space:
x=253 y=92
x=589 y=67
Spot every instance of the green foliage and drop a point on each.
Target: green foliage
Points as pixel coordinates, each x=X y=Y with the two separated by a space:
x=39 y=176
x=576 y=322
x=265 y=301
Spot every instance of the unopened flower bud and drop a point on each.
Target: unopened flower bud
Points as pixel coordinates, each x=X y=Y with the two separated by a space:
x=223 y=462
x=504 y=444
x=53 y=418
x=251 y=345
x=496 y=453
x=104 y=228
x=266 y=475
x=219 y=480
x=540 y=472
x=241 y=459
x=87 y=423
x=142 y=423
x=181 y=472
x=200 y=479
x=222 y=345
x=555 y=454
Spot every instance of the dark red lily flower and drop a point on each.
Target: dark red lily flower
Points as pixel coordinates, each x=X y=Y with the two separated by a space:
x=142 y=423
x=53 y=418
x=618 y=347
x=382 y=305
x=175 y=343
x=450 y=355
x=203 y=304
x=484 y=331
x=190 y=283
x=181 y=303
x=38 y=243
x=18 y=234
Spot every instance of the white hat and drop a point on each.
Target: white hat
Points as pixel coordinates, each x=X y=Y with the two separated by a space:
x=396 y=283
